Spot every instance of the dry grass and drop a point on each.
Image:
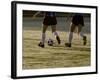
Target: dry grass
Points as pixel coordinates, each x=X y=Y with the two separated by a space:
x=57 y=56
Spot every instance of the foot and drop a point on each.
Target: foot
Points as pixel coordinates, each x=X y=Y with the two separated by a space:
x=68 y=44
x=41 y=45
x=58 y=40
x=84 y=40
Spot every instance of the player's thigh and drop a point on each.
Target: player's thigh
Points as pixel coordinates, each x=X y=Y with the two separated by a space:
x=44 y=28
x=80 y=28
x=72 y=27
x=53 y=27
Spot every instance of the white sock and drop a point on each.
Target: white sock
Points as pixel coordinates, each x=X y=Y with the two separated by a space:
x=55 y=33
x=81 y=34
x=43 y=38
x=70 y=37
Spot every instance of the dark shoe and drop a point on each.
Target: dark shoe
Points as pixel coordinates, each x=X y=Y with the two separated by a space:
x=41 y=45
x=58 y=40
x=68 y=44
x=84 y=40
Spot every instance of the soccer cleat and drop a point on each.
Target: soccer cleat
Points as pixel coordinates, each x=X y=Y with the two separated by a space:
x=41 y=45
x=84 y=40
x=58 y=40
x=68 y=44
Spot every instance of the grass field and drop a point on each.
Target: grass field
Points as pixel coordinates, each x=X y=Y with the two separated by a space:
x=56 y=56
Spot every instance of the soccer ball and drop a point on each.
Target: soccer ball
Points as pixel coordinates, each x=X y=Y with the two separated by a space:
x=50 y=42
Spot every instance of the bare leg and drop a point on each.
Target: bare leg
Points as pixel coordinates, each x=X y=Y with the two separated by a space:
x=54 y=30
x=43 y=33
x=81 y=34
x=55 y=33
x=72 y=28
x=41 y=44
x=79 y=30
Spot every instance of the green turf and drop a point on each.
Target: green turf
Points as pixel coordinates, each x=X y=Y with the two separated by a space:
x=56 y=56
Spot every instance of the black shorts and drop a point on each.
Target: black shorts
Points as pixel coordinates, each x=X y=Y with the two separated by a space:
x=78 y=19
x=50 y=21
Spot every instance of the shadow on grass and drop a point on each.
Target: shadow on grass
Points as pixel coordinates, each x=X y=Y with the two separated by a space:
x=31 y=39
x=80 y=49
x=72 y=48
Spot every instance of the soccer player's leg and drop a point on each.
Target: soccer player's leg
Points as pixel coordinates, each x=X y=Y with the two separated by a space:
x=41 y=44
x=55 y=33
x=81 y=34
x=72 y=28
